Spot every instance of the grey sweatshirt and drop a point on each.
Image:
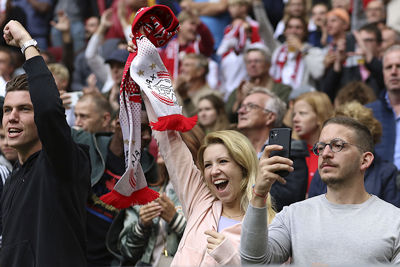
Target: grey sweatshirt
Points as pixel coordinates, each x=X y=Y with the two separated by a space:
x=316 y=231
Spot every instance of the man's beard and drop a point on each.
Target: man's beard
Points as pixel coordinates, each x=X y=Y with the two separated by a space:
x=333 y=182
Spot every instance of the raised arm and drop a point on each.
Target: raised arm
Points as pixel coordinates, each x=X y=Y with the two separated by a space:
x=206 y=8
x=265 y=27
x=64 y=26
x=256 y=246
x=122 y=16
x=94 y=59
x=53 y=130
x=185 y=177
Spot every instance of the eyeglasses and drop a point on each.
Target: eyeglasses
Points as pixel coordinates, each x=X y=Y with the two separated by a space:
x=335 y=145
x=374 y=9
x=256 y=61
x=369 y=40
x=251 y=106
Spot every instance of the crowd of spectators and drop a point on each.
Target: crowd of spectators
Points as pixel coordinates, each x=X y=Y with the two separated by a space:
x=244 y=67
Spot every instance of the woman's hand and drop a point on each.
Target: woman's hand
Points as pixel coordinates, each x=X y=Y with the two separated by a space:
x=148 y=212
x=168 y=207
x=213 y=240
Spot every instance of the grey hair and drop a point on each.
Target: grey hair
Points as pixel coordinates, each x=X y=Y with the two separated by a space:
x=395 y=47
x=274 y=104
x=263 y=49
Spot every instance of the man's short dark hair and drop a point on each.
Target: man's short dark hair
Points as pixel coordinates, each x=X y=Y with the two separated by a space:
x=362 y=134
x=18 y=83
x=373 y=28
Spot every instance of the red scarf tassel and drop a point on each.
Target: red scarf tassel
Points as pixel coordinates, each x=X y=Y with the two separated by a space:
x=140 y=197
x=175 y=122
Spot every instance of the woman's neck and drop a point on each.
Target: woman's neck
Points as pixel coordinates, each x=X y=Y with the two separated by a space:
x=232 y=210
x=312 y=138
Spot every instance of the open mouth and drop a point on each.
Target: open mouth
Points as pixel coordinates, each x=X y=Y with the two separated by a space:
x=13 y=132
x=221 y=184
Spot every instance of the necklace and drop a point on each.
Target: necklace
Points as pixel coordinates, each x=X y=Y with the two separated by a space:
x=232 y=216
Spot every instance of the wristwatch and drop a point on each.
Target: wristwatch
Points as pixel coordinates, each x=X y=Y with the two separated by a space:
x=29 y=43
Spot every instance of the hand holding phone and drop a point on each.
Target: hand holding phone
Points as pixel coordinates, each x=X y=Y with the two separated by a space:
x=272 y=168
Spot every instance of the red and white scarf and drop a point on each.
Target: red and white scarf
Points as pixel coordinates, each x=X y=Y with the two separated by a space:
x=236 y=38
x=281 y=60
x=145 y=73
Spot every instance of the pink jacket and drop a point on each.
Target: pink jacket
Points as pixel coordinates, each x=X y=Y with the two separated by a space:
x=201 y=208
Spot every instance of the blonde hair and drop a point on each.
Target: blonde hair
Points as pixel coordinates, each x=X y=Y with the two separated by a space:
x=243 y=153
x=59 y=70
x=186 y=15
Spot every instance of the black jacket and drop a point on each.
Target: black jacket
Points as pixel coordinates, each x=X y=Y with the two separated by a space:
x=43 y=202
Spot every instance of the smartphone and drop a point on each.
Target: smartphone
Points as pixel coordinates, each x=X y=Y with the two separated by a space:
x=282 y=137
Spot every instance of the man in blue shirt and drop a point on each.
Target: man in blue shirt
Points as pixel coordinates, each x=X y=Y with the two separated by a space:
x=387 y=108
